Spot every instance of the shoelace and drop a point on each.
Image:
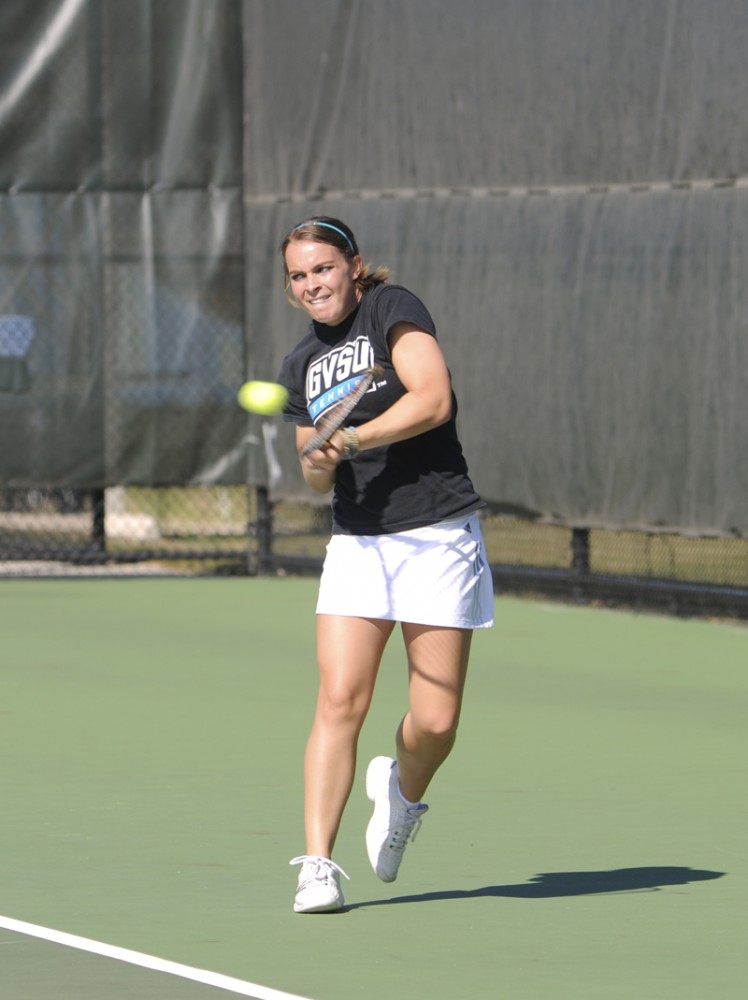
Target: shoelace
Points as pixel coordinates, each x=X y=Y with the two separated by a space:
x=404 y=831
x=321 y=867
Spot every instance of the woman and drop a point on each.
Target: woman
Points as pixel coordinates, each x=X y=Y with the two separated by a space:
x=406 y=544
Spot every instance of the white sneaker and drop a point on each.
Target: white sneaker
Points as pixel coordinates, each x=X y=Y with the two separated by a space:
x=319 y=889
x=393 y=822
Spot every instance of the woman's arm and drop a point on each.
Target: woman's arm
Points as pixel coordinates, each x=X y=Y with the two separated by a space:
x=427 y=403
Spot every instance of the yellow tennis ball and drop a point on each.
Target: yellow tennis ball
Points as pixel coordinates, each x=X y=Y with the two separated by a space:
x=263 y=397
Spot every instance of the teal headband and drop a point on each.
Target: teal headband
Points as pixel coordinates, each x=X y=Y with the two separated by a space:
x=328 y=225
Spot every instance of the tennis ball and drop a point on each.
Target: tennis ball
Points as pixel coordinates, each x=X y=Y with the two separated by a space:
x=263 y=397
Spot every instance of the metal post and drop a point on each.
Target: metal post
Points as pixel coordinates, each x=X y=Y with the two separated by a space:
x=264 y=531
x=98 y=522
x=580 y=562
x=580 y=550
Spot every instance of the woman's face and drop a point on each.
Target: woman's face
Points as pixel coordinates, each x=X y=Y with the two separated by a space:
x=322 y=280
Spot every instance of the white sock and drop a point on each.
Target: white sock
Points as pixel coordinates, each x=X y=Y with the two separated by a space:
x=408 y=803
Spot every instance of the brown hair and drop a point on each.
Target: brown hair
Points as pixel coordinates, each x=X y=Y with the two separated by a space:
x=326 y=229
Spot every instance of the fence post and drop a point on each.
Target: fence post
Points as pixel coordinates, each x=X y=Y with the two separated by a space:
x=580 y=562
x=264 y=531
x=580 y=550
x=98 y=522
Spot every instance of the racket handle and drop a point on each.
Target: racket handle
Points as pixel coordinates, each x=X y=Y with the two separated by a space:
x=315 y=444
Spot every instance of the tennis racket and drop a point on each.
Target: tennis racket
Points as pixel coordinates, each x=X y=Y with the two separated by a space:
x=334 y=419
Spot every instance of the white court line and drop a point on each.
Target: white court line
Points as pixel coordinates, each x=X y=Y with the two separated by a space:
x=221 y=982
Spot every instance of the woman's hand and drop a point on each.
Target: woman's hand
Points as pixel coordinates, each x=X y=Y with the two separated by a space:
x=320 y=467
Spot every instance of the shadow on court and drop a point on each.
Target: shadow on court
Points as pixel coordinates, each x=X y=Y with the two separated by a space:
x=550 y=885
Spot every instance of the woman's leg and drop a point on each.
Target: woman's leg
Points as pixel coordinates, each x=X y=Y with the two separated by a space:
x=349 y=651
x=437 y=663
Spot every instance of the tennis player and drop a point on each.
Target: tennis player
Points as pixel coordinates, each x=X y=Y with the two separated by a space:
x=406 y=544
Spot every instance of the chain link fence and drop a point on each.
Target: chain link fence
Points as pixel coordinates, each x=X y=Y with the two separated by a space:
x=240 y=530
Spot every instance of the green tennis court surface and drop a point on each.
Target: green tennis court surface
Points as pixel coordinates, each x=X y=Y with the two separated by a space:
x=585 y=840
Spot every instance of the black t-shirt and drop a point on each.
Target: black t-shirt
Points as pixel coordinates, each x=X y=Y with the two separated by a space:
x=395 y=487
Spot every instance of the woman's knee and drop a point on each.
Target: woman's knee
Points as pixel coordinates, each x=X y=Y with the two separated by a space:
x=342 y=706
x=438 y=727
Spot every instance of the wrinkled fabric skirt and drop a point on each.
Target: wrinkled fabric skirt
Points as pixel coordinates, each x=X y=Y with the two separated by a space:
x=437 y=575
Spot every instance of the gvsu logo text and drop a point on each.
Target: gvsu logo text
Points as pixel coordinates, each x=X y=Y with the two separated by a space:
x=332 y=377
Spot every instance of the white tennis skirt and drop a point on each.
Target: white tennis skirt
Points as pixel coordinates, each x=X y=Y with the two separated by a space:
x=437 y=575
